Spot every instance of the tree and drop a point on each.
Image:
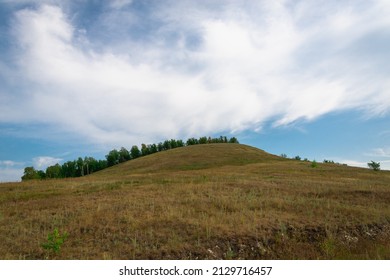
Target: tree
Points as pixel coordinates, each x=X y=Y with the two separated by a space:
x=203 y=140
x=234 y=140
x=80 y=167
x=135 y=152
x=180 y=143
x=376 y=166
x=160 y=147
x=124 y=155
x=192 y=141
x=101 y=164
x=90 y=165
x=41 y=174
x=153 y=148
x=30 y=173
x=112 y=157
x=54 y=171
x=173 y=143
x=145 y=149
x=69 y=169
x=167 y=145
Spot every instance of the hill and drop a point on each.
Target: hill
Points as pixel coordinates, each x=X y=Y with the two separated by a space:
x=202 y=202
x=195 y=157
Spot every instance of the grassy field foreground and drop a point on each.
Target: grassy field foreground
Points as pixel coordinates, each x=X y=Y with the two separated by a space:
x=216 y=201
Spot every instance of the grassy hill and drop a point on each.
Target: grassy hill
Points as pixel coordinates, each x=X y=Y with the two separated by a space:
x=193 y=157
x=215 y=201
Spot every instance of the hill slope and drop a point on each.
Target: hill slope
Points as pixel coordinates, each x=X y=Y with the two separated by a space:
x=194 y=157
x=203 y=202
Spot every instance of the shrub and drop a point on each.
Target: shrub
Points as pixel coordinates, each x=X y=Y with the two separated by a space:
x=54 y=241
x=328 y=161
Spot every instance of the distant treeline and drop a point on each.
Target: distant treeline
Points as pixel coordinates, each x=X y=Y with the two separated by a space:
x=89 y=165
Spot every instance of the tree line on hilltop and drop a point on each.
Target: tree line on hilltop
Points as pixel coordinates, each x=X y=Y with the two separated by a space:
x=88 y=165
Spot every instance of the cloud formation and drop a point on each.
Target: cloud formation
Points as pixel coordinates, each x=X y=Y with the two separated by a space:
x=43 y=162
x=212 y=70
x=382 y=152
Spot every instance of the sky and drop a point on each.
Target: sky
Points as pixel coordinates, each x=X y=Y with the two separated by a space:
x=295 y=77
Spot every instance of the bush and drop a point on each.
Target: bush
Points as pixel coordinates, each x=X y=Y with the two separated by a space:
x=54 y=241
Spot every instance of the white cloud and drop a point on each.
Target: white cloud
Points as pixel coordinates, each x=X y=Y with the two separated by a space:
x=10 y=171
x=269 y=61
x=385 y=164
x=10 y=175
x=380 y=152
x=43 y=162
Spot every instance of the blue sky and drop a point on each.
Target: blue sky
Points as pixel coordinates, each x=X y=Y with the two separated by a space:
x=79 y=78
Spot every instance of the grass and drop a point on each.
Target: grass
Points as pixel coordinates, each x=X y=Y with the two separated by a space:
x=217 y=201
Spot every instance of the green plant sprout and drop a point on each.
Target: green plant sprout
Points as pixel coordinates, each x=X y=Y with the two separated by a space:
x=55 y=241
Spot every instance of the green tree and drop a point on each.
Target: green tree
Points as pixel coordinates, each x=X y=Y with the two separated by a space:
x=54 y=171
x=145 y=149
x=376 y=166
x=135 y=152
x=90 y=165
x=68 y=169
x=124 y=155
x=173 y=143
x=153 y=148
x=160 y=147
x=179 y=143
x=192 y=141
x=167 y=145
x=101 y=164
x=112 y=157
x=41 y=174
x=203 y=140
x=80 y=167
x=30 y=173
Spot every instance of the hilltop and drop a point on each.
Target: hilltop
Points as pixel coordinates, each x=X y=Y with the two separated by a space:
x=196 y=157
x=208 y=201
x=85 y=166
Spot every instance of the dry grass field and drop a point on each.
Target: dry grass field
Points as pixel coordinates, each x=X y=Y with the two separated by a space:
x=216 y=201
